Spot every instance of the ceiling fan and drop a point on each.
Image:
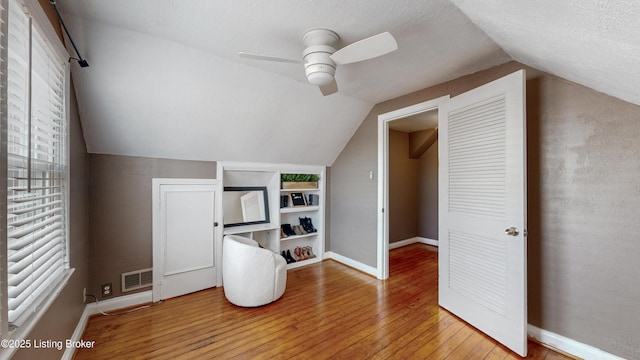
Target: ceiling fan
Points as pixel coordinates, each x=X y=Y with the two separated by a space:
x=320 y=56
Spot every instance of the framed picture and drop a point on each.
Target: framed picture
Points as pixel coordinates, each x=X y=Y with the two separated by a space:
x=297 y=199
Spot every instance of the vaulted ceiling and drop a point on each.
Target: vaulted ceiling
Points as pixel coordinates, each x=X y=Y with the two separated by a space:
x=165 y=79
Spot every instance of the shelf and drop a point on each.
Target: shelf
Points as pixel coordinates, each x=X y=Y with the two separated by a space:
x=298 y=190
x=293 y=237
x=288 y=210
x=249 y=228
x=303 y=263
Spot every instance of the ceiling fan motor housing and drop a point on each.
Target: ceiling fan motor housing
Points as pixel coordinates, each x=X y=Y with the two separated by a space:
x=319 y=67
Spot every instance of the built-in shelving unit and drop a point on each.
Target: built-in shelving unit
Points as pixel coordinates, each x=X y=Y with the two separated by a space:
x=268 y=235
x=291 y=215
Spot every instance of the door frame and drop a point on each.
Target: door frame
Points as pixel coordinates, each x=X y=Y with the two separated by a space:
x=382 y=267
x=158 y=262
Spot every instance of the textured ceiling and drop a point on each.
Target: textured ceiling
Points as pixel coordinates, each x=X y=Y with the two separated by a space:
x=165 y=79
x=595 y=43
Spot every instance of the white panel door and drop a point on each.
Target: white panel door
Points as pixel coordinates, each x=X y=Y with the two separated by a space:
x=482 y=209
x=184 y=239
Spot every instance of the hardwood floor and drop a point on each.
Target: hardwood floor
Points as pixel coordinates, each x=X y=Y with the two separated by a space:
x=328 y=311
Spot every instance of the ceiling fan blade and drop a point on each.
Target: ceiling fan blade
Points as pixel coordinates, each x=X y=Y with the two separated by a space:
x=330 y=88
x=268 y=58
x=366 y=49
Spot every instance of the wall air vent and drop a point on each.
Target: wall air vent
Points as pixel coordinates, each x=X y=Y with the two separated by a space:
x=136 y=279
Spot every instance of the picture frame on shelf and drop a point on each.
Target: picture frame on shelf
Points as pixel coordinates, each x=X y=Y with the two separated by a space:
x=298 y=199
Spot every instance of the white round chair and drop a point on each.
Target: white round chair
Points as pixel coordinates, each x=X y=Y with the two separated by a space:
x=251 y=276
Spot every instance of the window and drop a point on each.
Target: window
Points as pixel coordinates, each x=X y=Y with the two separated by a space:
x=36 y=164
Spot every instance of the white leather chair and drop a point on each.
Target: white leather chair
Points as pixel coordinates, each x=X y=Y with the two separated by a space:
x=251 y=276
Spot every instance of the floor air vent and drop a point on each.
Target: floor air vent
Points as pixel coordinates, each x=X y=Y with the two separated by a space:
x=136 y=279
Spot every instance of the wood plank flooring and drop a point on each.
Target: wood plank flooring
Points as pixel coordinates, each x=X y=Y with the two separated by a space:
x=328 y=311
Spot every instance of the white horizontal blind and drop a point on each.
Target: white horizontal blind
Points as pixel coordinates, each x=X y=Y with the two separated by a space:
x=36 y=241
x=3 y=166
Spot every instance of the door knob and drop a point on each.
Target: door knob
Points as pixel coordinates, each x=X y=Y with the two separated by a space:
x=512 y=231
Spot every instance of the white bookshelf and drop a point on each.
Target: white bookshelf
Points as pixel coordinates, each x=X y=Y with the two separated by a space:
x=268 y=234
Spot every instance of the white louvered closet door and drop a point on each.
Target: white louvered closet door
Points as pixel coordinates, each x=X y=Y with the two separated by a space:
x=482 y=209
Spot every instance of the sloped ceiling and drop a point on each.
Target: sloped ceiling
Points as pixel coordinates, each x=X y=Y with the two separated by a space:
x=165 y=79
x=595 y=43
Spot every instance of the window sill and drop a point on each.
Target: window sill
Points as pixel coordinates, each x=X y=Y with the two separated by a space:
x=26 y=327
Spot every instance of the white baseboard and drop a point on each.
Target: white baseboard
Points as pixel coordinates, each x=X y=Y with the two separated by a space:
x=107 y=305
x=568 y=345
x=413 y=240
x=352 y=263
x=120 y=302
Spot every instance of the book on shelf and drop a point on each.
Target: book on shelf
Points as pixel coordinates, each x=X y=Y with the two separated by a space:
x=313 y=199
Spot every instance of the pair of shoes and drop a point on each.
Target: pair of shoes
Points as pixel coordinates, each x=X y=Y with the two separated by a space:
x=298 y=254
x=303 y=253
x=287 y=256
x=286 y=228
x=305 y=222
x=307 y=251
x=282 y=234
x=299 y=230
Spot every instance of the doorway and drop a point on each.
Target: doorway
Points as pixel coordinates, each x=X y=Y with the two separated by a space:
x=413 y=180
x=410 y=119
x=482 y=190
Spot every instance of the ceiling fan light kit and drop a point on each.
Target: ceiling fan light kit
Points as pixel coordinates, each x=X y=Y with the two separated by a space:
x=318 y=65
x=320 y=55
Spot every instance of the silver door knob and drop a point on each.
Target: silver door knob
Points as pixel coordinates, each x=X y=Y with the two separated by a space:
x=512 y=231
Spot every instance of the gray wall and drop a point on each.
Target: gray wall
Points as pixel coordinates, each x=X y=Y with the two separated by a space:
x=403 y=189
x=583 y=196
x=120 y=212
x=61 y=319
x=413 y=190
x=428 y=193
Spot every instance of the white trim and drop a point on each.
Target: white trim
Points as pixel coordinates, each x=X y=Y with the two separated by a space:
x=413 y=240
x=77 y=334
x=382 y=270
x=569 y=346
x=351 y=263
x=120 y=302
x=428 y=241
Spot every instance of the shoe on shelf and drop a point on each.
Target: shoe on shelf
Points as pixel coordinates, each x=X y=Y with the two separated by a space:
x=287 y=229
x=282 y=234
x=298 y=253
x=288 y=257
x=313 y=229
x=297 y=229
x=308 y=252
x=307 y=225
